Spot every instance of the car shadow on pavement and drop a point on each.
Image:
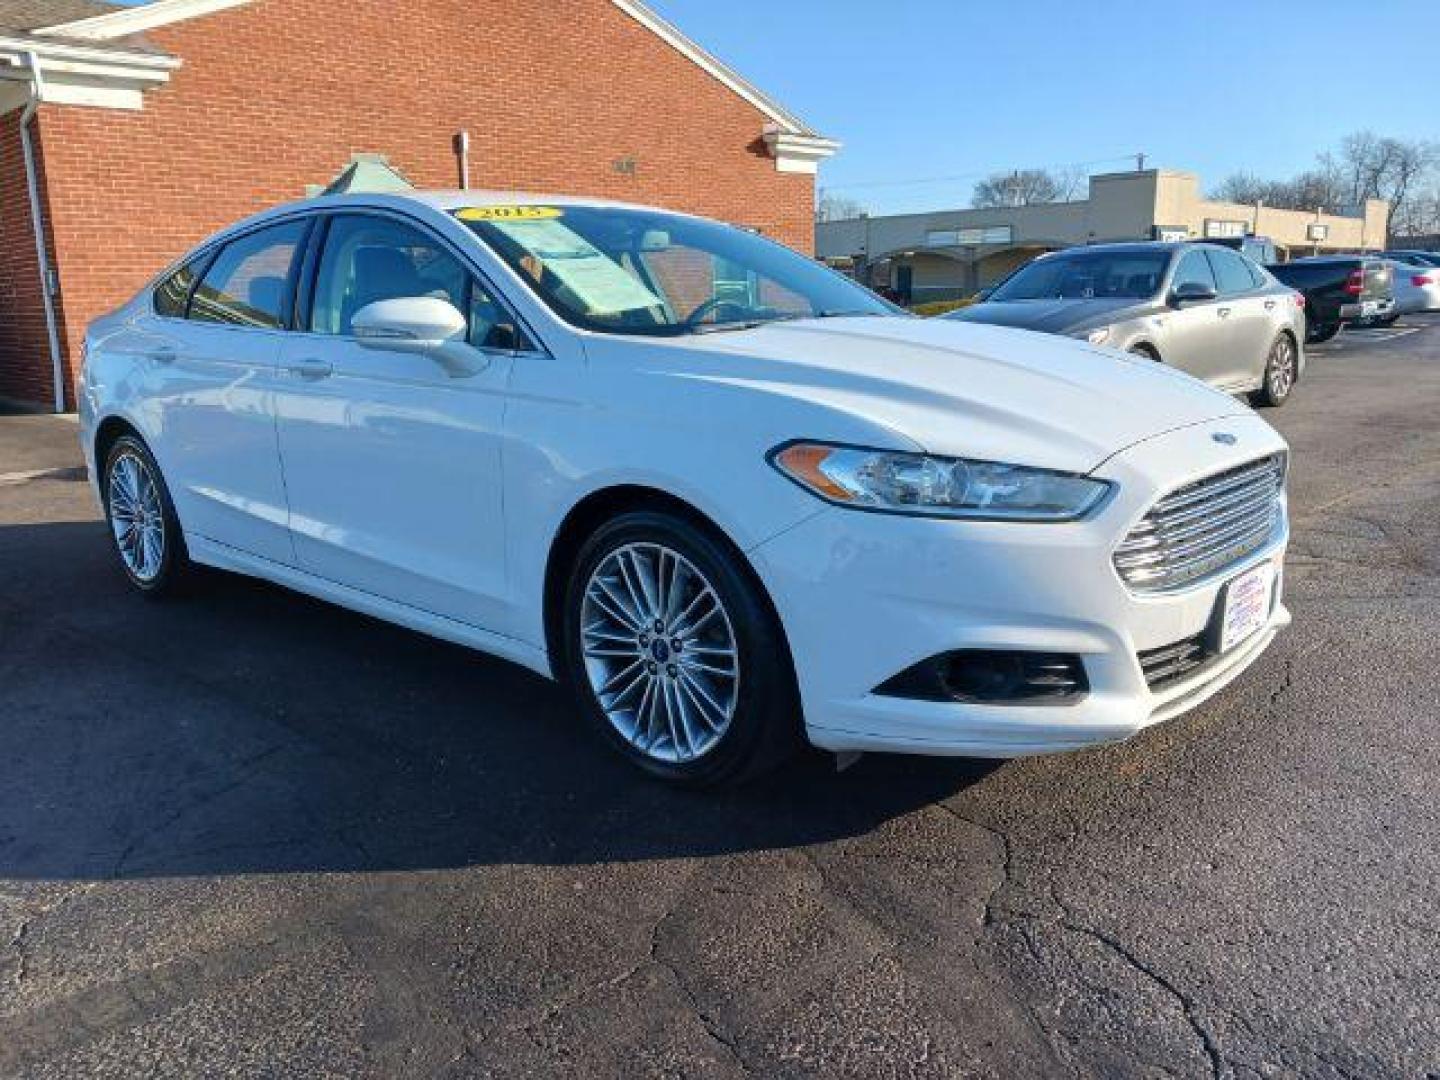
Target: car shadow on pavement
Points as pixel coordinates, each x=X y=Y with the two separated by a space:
x=243 y=729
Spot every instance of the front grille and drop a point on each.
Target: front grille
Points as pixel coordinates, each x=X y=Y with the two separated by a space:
x=1171 y=663
x=1204 y=527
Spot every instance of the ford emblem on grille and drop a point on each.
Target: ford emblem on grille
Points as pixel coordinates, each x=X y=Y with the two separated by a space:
x=1224 y=438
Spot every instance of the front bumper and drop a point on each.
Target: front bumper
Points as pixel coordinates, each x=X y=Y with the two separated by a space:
x=865 y=596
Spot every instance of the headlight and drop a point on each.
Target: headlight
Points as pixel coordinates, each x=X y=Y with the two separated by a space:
x=1098 y=337
x=929 y=486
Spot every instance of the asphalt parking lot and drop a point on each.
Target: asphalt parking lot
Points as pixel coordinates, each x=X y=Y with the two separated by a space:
x=250 y=834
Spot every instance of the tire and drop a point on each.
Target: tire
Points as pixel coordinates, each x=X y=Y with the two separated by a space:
x=1322 y=333
x=1282 y=370
x=148 y=542
x=688 y=715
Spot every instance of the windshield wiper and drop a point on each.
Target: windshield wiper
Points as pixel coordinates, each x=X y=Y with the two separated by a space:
x=788 y=316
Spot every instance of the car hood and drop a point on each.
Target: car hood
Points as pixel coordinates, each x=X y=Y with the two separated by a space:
x=1051 y=316
x=952 y=388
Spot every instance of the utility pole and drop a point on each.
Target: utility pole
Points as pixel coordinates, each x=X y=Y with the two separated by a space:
x=1140 y=162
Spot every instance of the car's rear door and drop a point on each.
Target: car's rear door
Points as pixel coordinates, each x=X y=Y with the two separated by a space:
x=219 y=328
x=1242 y=306
x=391 y=463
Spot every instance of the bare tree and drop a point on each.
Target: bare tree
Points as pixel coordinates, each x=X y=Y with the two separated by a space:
x=1023 y=187
x=1366 y=166
x=1243 y=187
x=832 y=207
x=1370 y=166
x=1073 y=182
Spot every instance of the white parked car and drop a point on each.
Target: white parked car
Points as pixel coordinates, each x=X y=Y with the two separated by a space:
x=1417 y=288
x=727 y=495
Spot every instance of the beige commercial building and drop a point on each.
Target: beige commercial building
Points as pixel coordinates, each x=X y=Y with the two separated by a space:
x=946 y=254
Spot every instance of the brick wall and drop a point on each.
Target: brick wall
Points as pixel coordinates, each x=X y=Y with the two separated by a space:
x=279 y=94
x=25 y=372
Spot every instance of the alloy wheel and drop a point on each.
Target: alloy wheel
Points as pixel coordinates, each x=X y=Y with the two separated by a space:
x=1281 y=374
x=660 y=652
x=137 y=516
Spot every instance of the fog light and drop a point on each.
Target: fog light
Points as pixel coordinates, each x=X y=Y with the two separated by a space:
x=992 y=677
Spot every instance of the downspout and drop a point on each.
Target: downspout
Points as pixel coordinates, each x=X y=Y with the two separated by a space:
x=42 y=254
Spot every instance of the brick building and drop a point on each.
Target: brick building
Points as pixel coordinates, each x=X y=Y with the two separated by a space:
x=152 y=126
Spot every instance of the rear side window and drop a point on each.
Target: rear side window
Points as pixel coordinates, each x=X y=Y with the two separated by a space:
x=1257 y=276
x=1194 y=269
x=1230 y=271
x=249 y=283
x=174 y=292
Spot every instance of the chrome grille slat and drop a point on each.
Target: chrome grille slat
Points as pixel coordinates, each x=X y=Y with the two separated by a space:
x=1214 y=539
x=1170 y=539
x=1217 y=485
x=1170 y=663
x=1194 y=512
x=1203 y=527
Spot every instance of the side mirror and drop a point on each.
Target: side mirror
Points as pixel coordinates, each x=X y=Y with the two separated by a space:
x=424 y=325
x=1192 y=292
x=981 y=296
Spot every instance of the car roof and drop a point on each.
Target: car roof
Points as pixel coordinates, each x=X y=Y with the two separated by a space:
x=1136 y=246
x=447 y=200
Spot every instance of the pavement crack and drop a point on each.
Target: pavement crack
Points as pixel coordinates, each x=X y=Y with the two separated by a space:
x=1005 y=874
x=1188 y=1006
x=19 y=940
x=692 y=1002
x=243 y=770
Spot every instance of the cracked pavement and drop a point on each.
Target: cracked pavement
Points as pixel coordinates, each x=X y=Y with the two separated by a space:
x=249 y=834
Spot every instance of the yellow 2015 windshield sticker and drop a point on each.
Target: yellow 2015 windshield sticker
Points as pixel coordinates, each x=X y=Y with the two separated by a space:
x=507 y=213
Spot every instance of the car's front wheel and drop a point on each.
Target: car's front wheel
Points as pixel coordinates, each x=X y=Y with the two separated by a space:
x=675 y=653
x=1281 y=371
x=142 y=518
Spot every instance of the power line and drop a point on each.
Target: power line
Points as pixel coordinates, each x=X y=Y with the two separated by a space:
x=974 y=175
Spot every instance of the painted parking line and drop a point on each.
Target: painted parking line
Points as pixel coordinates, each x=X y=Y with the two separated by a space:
x=1389 y=333
x=12 y=478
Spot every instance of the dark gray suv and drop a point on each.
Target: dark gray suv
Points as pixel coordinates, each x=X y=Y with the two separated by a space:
x=1202 y=308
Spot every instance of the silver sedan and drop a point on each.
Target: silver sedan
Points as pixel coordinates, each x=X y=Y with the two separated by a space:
x=1205 y=309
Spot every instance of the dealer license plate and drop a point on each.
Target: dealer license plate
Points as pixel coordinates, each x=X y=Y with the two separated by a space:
x=1247 y=604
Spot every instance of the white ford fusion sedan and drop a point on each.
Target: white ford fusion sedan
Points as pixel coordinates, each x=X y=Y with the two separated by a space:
x=729 y=497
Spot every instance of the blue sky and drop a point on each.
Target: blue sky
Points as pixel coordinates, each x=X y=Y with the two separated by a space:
x=939 y=88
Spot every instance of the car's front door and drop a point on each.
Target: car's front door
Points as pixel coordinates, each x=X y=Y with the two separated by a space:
x=213 y=375
x=1249 y=323
x=392 y=463
x=1196 y=332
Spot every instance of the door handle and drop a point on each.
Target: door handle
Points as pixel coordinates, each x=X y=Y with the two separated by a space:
x=1269 y=305
x=165 y=354
x=312 y=367
x=1223 y=312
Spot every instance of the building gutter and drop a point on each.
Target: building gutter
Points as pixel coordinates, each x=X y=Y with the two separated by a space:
x=42 y=254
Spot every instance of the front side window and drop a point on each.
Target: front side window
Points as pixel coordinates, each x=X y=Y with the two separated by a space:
x=1087 y=275
x=248 y=284
x=367 y=259
x=643 y=272
x=1230 y=271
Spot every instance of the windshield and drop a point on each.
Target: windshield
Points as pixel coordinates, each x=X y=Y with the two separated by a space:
x=1094 y=275
x=630 y=271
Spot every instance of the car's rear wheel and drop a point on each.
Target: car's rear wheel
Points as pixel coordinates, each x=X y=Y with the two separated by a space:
x=674 y=653
x=1321 y=332
x=1281 y=371
x=142 y=519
